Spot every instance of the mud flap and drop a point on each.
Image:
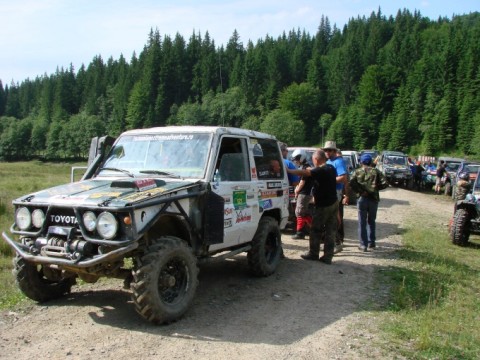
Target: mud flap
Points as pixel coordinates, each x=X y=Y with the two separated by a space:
x=214 y=215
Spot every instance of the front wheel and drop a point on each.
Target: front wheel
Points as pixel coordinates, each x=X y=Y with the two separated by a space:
x=165 y=280
x=40 y=283
x=460 y=232
x=264 y=256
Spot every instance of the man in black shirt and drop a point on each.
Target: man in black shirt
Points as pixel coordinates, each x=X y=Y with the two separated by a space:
x=440 y=172
x=326 y=207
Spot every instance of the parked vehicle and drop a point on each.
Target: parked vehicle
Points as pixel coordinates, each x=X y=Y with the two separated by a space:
x=469 y=167
x=150 y=209
x=451 y=165
x=466 y=219
x=394 y=165
x=354 y=161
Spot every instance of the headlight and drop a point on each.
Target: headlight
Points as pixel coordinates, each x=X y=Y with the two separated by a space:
x=23 y=219
x=89 y=220
x=107 y=225
x=38 y=218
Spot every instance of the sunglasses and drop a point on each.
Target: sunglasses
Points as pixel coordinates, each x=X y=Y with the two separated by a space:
x=329 y=150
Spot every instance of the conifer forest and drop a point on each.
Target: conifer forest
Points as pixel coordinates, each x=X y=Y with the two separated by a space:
x=404 y=82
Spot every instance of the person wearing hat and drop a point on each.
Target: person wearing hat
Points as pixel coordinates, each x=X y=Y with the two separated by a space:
x=338 y=163
x=366 y=182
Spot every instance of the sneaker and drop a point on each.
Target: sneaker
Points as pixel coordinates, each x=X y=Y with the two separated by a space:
x=338 y=248
x=298 y=236
x=362 y=248
x=309 y=256
x=325 y=260
x=372 y=246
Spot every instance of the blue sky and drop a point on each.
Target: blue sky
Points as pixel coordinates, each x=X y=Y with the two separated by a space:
x=37 y=36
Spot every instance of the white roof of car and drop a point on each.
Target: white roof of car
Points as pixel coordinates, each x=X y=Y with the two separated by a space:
x=199 y=129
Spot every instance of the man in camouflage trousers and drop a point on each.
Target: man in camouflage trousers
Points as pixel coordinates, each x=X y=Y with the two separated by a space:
x=366 y=182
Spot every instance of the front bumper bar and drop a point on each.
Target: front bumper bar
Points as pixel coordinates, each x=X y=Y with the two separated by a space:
x=22 y=250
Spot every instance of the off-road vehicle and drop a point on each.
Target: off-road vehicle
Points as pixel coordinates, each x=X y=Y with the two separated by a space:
x=466 y=219
x=451 y=165
x=150 y=207
x=394 y=165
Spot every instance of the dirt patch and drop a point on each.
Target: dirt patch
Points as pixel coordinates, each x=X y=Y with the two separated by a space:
x=305 y=310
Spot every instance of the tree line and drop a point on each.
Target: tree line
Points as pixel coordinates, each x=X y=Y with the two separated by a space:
x=403 y=83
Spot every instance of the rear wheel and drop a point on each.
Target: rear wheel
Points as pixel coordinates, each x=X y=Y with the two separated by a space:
x=165 y=280
x=264 y=256
x=460 y=227
x=40 y=283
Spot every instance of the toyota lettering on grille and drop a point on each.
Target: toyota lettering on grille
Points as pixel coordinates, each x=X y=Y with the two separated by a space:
x=63 y=219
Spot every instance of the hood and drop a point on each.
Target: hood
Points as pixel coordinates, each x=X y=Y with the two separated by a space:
x=116 y=193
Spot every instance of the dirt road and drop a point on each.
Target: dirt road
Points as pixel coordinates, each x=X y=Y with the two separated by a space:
x=307 y=310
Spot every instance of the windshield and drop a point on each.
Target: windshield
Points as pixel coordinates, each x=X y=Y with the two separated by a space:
x=472 y=168
x=395 y=160
x=176 y=155
x=452 y=167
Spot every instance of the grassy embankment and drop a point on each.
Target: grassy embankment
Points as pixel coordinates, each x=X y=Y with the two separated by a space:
x=434 y=307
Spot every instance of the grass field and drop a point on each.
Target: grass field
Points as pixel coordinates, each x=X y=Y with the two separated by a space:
x=17 y=179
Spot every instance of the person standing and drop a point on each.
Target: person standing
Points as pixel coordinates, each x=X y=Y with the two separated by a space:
x=303 y=194
x=441 y=169
x=338 y=163
x=326 y=207
x=367 y=181
x=293 y=181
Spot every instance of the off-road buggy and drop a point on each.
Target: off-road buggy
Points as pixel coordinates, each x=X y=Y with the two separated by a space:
x=466 y=219
x=149 y=208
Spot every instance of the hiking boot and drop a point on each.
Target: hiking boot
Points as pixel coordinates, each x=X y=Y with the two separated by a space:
x=298 y=236
x=325 y=260
x=372 y=246
x=362 y=248
x=309 y=256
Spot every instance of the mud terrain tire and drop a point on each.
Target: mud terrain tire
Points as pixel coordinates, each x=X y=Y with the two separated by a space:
x=461 y=227
x=165 y=279
x=34 y=284
x=264 y=256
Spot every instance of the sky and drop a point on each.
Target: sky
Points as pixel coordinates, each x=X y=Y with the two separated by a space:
x=37 y=37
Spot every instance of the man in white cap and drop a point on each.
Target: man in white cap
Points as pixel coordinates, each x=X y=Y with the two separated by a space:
x=338 y=163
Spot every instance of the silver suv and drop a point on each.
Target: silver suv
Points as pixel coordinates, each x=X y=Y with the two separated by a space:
x=150 y=206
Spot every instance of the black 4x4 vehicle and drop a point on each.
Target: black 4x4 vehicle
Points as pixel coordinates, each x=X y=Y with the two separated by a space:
x=394 y=165
x=466 y=219
x=148 y=210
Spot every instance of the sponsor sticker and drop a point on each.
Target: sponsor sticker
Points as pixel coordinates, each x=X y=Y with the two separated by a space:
x=239 y=199
x=274 y=185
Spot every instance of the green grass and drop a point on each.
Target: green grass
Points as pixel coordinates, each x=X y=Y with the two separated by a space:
x=434 y=308
x=17 y=179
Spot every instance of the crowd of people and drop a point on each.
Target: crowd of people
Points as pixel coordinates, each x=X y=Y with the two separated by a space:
x=321 y=190
x=321 y=193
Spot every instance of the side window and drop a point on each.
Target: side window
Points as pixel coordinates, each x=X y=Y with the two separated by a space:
x=268 y=159
x=232 y=161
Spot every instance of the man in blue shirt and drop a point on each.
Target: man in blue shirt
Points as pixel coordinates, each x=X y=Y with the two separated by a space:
x=293 y=180
x=338 y=163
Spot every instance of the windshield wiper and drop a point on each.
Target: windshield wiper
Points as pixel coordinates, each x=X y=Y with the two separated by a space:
x=158 y=172
x=119 y=170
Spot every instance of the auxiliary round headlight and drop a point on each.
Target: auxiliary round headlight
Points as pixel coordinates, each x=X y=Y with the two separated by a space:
x=38 y=218
x=89 y=220
x=107 y=225
x=23 y=218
